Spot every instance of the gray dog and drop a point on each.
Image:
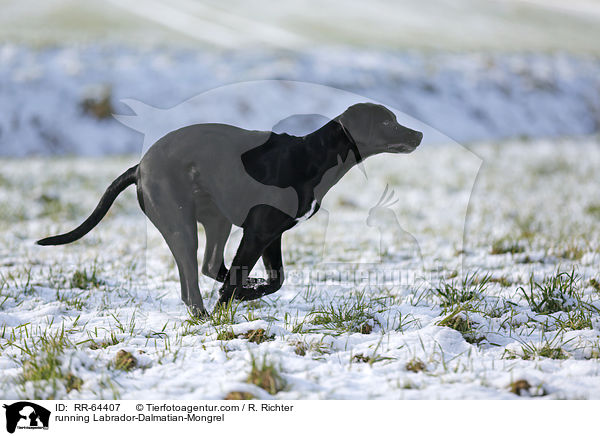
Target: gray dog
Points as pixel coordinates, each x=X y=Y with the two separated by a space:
x=263 y=182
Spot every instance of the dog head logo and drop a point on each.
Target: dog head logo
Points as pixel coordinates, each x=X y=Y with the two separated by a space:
x=26 y=415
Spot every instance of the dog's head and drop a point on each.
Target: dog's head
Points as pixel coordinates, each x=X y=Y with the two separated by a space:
x=375 y=130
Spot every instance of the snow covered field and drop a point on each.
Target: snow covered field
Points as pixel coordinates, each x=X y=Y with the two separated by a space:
x=511 y=308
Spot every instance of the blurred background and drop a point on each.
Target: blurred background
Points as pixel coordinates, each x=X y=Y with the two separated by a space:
x=474 y=70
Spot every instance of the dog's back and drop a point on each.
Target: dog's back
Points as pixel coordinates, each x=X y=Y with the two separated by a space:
x=209 y=157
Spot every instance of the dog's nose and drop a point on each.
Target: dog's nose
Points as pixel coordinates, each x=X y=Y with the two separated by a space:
x=419 y=137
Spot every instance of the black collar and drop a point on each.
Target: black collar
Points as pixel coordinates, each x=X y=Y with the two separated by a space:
x=353 y=145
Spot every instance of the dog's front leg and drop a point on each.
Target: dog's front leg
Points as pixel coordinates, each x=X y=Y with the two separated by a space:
x=251 y=248
x=254 y=288
x=274 y=265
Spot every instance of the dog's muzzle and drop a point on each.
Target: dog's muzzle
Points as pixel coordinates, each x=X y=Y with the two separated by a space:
x=406 y=147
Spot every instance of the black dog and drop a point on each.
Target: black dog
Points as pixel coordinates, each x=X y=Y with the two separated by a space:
x=264 y=182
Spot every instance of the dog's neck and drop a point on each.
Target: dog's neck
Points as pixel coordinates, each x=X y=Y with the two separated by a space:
x=335 y=151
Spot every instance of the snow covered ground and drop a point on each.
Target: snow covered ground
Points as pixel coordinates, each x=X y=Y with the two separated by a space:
x=511 y=308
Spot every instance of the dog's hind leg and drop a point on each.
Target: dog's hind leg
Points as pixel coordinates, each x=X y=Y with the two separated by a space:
x=176 y=221
x=217 y=229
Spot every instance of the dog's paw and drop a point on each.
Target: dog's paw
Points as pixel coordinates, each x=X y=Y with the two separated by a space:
x=255 y=283
x=254 y=289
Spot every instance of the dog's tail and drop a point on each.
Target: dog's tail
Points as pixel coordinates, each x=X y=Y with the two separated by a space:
x=129 y=177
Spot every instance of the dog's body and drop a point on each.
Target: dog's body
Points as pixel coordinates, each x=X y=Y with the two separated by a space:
x=220 y=175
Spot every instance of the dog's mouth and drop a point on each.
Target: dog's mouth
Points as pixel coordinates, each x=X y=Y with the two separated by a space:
x=401 y=148
x=406 y=147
